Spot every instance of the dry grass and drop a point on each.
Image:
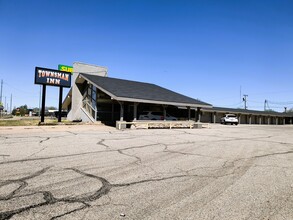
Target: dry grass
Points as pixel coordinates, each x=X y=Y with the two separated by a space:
x=29 y=122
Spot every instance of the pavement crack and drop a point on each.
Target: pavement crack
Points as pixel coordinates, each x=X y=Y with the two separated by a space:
x=102 y=191
x=70 y=132
x=187 y=154
x=72 y=211
x=10 y=214
x=151 y=180
x=101 y=142
x=22 y=183
x=138 y=159
x=42 y=141
x=48 y=138
x=105 y=189
x=273 y=154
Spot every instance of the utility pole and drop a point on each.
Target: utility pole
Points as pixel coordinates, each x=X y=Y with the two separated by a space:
x=1 y=90
x=5 y=103
x=11 y=104
x=245 y=101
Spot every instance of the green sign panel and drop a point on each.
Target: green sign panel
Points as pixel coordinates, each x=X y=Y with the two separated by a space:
x=65 y=68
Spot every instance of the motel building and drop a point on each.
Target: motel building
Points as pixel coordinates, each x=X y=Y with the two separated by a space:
x=94 y=96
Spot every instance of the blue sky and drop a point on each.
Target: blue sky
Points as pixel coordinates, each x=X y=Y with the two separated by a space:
x=205 y=49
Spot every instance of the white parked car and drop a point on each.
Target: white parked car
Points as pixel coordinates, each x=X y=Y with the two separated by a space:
x=153 y=115
x=229 y=119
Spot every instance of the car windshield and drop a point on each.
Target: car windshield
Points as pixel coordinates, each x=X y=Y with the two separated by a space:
x=231 y=116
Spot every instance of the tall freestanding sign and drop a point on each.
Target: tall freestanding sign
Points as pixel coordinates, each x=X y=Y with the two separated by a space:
x=52 y=77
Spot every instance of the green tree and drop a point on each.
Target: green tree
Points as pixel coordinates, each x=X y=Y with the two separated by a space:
x=22 y=110
x=14 y=111
x=51 y=108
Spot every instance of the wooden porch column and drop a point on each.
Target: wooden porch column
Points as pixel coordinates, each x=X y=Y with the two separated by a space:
x=259 y=120
x=164 y=112
x=198 y=114
x=269 y=120
x=135 y=104
x=121 y=111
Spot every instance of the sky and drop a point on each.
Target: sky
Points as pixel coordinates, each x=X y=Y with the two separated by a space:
x=212 y=50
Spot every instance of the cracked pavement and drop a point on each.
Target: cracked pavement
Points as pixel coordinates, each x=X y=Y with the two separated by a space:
x=98 y=172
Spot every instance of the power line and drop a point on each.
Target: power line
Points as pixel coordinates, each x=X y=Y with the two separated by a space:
x=282 y=103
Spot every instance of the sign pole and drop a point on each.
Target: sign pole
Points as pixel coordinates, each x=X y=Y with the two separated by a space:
x=51 y=77
x=43 y=104
x=60 y=103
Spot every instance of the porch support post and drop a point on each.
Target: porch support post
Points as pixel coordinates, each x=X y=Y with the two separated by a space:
x=188 y=108
x=198 y=114
x=164 y=112
x=215 y=117
x=259 y=120
x=269 y=120
x=135 y=111
x=121 y=111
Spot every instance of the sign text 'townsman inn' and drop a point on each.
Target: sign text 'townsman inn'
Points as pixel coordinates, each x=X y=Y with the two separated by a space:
x=52 y=77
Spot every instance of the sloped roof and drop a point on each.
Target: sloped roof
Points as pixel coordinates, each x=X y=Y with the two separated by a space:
x=132 y=91
x=246 y=111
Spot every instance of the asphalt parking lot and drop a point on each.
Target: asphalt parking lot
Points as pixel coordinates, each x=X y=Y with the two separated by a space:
x=97 y=172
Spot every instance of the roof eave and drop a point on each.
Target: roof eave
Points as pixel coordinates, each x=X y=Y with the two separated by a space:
x=124 y=99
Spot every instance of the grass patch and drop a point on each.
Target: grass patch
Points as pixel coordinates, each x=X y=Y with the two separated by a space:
x=19 y=122
x=30 y=122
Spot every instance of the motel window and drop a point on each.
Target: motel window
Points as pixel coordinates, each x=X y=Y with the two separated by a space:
x=92 y=95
